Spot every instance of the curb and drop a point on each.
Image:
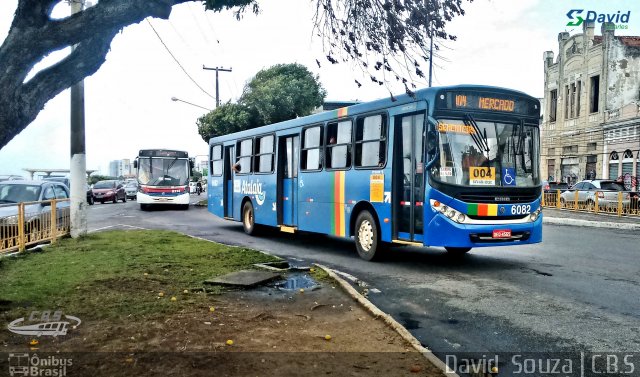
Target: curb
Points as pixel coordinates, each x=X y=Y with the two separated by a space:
x=377 y=313
x=588 y=223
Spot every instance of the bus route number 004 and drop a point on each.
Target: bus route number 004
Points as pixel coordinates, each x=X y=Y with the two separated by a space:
x=524 y=209
x=482 y=172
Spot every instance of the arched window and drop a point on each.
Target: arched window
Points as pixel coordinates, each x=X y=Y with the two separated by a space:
x=627 y=154
x=613 y=156
x=613 y=165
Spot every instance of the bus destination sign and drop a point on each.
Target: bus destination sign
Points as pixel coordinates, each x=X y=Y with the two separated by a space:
x=162 y=153
x=489 y=102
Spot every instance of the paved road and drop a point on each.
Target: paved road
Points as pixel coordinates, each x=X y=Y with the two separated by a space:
x=577 y=291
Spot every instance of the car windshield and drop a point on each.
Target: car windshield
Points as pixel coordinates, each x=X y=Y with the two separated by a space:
x=163 y=171
x=132 y=184
x=19 y=193
x=481 y=153
x=613 y=186
x=104 y=185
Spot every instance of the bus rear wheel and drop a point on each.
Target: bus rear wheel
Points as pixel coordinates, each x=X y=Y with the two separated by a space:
x=367 y=237
x=248 y=219
x=457 y=250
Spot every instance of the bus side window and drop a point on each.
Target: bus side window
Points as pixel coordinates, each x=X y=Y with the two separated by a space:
x=311 y=146
x=371 y=141
x=338 y=150
x=245 y=151
x=216 y=160
x=264 y=156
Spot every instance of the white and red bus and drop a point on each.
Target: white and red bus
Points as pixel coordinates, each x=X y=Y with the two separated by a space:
x=163 y=177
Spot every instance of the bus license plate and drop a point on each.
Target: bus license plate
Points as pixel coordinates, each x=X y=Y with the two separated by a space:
x=502 y=233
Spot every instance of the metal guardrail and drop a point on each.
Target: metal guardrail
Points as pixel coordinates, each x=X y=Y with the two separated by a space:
x=626 y=203
x=33 y=223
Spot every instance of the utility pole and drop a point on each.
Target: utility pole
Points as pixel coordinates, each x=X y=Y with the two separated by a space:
x=217 y=69
x=78 y=168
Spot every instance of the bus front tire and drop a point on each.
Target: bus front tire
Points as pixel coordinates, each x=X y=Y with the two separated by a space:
x=367 y=237
x=248 y=219
x=457 y=250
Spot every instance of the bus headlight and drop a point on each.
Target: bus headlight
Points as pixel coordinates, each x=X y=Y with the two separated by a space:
x=534 y=215
x=451 y=213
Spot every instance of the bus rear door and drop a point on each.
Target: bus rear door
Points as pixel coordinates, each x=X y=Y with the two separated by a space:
x=408 y=177
x=229 y=161
x=287 y=203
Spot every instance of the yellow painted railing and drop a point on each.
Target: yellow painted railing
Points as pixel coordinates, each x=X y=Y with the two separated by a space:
x=31 y=223
x=625 y=203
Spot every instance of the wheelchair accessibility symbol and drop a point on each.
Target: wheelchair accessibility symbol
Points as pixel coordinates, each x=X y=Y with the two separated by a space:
x=508 y=177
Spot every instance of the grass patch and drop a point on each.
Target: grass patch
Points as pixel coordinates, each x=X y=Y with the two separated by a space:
x=116 y=273
x=321 y=275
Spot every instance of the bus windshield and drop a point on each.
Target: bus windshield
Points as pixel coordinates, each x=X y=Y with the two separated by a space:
x=163 y=171
x=485 y=153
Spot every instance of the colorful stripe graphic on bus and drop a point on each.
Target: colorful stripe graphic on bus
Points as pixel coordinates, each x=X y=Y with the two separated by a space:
x=343 y=112
x=337 y=215
x=482 y=209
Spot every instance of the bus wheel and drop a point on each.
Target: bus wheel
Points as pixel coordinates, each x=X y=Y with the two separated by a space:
x=248 y=220
x=367 y=237
x=457 y=250
x=144 y=207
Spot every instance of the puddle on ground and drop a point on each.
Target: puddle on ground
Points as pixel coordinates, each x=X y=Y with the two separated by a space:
x=296 y=281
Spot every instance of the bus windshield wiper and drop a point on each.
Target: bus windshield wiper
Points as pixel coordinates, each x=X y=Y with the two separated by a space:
x=480 y=140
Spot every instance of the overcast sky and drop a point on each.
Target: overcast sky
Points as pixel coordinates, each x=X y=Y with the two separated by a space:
x=128 y=101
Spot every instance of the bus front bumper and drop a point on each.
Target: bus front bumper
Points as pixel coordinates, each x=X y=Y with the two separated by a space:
x=444 y=232
x=162 y=199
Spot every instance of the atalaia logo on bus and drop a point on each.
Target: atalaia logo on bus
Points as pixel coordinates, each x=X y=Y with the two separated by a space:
x=254 y=188
x=619 y=19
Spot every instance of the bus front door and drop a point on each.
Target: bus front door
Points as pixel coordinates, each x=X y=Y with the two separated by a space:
x=408 y=178
x=229 y=154
x=288 y=151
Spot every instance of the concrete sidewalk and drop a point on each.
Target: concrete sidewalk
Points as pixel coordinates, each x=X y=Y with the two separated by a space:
x=602 y=220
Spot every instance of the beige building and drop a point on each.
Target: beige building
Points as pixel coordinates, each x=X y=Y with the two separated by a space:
x=591 y=126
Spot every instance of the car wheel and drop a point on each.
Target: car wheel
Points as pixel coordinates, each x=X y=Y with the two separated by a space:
x=367 y=237
x=457 y=250
x=115 y=198
x=124 y=198
x=91 y=200
x=248 y=219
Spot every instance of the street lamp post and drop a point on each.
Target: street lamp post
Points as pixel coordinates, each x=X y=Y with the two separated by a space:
x=174 y=99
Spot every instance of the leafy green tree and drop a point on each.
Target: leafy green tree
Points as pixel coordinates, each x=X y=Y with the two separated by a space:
x=228 y=118
x=387 y=38
x=283 y=92
x=276 y=94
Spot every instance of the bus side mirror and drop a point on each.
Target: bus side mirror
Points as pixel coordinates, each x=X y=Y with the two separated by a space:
x=135 y=164
x=191 y=163
x=431 y=143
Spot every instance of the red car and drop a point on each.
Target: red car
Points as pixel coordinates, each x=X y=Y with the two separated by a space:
x=104 y=191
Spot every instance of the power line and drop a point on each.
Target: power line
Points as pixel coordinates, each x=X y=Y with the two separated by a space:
x=176 y=60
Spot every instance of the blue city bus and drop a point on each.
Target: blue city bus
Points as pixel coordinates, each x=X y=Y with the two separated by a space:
x=455 y=167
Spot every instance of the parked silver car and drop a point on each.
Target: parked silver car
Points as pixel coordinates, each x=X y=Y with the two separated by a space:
x=37 y=215
x=605 y=190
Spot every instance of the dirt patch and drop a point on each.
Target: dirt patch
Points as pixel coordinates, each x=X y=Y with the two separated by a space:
x=258 y=332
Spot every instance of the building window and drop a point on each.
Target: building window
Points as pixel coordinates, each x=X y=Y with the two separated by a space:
x=553 y=105
x=371 y=141
x=263 y=159
x=216 y=160
x=244 y=152
x=338 y=151
x=592 y=146
x=578 y=94
x=551 y=151
x=311 y=145
x=551 y=169
x=594 y=94
x=570 y=149
x=567 y=101
x=627 y=154
x=573 y=101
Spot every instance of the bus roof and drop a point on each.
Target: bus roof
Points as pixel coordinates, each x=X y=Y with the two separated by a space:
x=162 y=153
x=428 y=94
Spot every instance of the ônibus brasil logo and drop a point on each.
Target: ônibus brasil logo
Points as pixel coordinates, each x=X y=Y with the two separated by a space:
x=621 y=20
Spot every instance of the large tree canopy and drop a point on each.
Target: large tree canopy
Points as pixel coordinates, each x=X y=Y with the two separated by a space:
x=386 y=37
x=275 y=94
